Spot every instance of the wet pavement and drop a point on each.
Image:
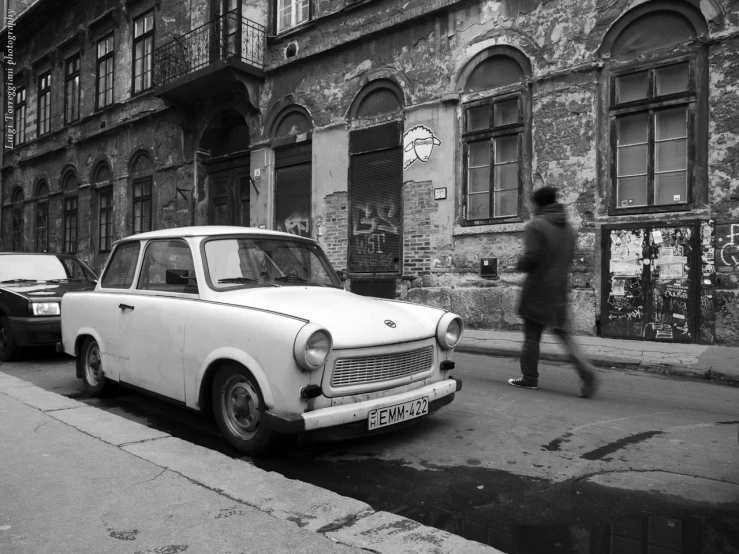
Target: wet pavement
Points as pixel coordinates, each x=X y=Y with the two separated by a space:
x=511 y=512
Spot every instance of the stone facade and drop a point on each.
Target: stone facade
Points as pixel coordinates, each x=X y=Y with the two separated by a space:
x=356 y=66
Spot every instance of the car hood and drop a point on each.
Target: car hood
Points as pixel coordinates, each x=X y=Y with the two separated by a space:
x=354 y=321
x=40 y=292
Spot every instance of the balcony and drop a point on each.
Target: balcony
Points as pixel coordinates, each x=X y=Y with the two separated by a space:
x=210 y=59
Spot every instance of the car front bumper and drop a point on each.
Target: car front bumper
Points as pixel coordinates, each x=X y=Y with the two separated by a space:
x=36 y=331
x=439 y=394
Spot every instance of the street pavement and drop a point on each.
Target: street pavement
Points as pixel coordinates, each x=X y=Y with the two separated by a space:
x=76 y=479
x=719 y=364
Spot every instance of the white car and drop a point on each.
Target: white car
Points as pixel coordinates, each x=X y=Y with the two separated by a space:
x=256 y=326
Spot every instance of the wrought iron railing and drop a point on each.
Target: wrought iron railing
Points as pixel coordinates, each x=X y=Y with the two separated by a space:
x=227 y=36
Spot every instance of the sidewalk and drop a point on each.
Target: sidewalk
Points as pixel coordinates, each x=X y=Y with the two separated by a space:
x=719 y=364
x=76 y=479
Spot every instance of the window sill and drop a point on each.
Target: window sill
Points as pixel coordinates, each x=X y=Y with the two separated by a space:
x=647 y=210
x=287 y=33
x=514 y=226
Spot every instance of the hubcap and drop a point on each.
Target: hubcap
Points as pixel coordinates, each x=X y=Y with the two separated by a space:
x=93 y=365
x=240 y=405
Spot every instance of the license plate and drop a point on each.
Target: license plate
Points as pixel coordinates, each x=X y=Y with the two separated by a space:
x=400 y=412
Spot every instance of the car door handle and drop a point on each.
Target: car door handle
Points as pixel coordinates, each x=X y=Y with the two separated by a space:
x=125 y=307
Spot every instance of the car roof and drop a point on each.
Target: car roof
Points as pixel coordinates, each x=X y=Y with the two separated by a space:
x=209 y=231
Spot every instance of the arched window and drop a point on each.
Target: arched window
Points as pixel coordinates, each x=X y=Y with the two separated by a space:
x=42 y=216
x=377 y=98
x=102 y=181
x=655 y=107
x=17 y=211
x=70 y=186
x=142 y=180
x=495 y=135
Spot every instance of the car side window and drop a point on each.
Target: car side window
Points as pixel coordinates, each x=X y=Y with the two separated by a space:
x=168 y=267
x=121 y=267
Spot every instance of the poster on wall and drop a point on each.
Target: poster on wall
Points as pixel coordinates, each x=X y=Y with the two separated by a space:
x=418 y=144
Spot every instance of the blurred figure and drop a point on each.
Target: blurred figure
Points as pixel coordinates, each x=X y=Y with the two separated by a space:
x=549 y=247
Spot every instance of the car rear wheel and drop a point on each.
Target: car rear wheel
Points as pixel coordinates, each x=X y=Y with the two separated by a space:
x=239 y=407
x=8 y=346
x=95 y=381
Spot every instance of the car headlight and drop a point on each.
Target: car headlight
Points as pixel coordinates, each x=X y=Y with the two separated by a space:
x=312 y=346
x=45 y=308
x=449 y=331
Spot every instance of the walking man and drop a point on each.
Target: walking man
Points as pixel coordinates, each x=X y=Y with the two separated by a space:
x=549 y=247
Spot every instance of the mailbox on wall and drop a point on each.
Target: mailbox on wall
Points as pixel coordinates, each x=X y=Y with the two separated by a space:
x=489 y=268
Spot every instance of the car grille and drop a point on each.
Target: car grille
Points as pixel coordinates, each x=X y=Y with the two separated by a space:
x=373 y=369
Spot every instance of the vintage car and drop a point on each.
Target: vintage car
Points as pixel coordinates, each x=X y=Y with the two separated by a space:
x=31 y=289
x=255 y=326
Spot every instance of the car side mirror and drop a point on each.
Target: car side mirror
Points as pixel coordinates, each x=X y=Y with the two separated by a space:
x=341 y=275
x=177 y=277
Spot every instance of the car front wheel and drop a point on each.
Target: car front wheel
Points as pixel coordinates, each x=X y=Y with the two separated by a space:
x=8 y=346
x=239 y=407
x=95 y=381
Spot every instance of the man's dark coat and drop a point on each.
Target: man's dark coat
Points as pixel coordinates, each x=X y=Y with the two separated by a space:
x=549 y=246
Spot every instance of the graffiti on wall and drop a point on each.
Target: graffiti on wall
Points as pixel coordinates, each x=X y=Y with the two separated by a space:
x=418 y=143
x=671 y=254
x=707 y=297
x=728 y=245
x=625 y=302
x=297 y=223
x=375 y=240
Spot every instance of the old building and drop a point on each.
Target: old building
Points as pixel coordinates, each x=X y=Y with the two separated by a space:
x=406 y=137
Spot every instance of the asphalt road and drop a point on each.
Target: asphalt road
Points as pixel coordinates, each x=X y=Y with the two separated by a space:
x=651 y=460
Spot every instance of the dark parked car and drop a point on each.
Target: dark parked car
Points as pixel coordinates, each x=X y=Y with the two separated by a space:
x=31 y=290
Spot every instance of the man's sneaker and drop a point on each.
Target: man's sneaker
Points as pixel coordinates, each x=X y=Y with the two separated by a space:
x=523 y=383
x=588 y=390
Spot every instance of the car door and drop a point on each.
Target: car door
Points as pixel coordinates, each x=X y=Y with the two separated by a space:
x=105 y=309
x=152 y=323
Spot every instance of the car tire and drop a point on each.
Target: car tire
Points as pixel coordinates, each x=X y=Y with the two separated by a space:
x=93 y=377
x=8 y=346
x=238 y=406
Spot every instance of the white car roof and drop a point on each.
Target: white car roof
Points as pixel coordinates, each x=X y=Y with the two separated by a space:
x=209 y=231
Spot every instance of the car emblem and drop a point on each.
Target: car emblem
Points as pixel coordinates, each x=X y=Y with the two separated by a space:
x=390 y=324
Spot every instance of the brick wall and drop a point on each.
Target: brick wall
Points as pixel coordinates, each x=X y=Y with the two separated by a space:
x=418 y=207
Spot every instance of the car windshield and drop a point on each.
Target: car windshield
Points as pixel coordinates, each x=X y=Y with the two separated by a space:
x=34 y=268
x=248 y=262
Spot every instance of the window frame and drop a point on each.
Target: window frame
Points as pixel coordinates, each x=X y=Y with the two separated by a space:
x=520 y=128
x=105 y=240
x=71 y=223
x=294 y=11
x=651 y=105
x=72 y=78
x=21 y=111
x=43 y=124
x=17 y=215
x=138 y=285
x=117 y=249
x=41 y=212
x=107 y=59
x=141 y=199
x=143 y=38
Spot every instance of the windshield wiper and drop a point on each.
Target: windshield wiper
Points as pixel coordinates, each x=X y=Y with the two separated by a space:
x=289 y=277
x=20 y=281
x=70 y=280
x=237 y=280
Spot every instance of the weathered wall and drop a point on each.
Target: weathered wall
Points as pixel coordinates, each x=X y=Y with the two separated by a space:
x=112 y=134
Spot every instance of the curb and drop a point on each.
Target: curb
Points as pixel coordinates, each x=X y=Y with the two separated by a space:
x=341 y=519
x=701 y=373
